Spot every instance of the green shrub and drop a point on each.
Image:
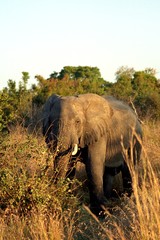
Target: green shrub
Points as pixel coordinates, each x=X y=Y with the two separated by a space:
x=27 y=178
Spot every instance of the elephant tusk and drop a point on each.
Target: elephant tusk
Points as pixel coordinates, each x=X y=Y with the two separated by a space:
x=75 y=150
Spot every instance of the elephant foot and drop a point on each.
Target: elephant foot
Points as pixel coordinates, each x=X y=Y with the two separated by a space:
x=115 y=194
x=99 y=211
x=127 y=191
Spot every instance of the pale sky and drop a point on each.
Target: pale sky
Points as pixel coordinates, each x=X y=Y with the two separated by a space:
x=42 y=36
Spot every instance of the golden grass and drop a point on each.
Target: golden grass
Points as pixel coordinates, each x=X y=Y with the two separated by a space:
x=32 y=207
x=36 y=227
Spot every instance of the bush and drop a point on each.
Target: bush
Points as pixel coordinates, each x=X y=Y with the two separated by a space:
x=26 y=176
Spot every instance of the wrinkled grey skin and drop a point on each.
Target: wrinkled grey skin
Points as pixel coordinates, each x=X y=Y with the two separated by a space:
x=99 y=126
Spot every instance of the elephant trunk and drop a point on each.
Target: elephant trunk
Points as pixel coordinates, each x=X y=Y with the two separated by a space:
x=67 y=144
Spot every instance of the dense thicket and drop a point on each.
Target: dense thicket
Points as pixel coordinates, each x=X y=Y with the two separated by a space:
x=142 y=88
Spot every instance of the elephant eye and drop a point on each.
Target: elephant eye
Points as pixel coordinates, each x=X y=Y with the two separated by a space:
x=78 y=121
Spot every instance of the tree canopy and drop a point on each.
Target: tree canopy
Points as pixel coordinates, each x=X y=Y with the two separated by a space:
x=140 y=87
x=71 y=80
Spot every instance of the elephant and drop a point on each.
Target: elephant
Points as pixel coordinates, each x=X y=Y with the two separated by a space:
x=96 y=128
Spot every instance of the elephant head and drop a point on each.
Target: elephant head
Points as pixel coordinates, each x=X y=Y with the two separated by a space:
x=75 y=122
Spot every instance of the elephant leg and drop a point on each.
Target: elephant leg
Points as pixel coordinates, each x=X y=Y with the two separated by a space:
x=110 y=173
x=127 y=179
x=137 y=152
x=95 y=185
x=95 y=170
x=108 y=184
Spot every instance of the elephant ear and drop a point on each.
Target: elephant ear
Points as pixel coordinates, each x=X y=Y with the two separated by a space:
x=47 y=111
x=98 y=115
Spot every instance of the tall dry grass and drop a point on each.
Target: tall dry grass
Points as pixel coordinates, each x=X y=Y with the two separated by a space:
x=33 y=207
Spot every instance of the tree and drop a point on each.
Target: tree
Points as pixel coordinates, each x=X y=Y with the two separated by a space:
x=122 y=89
x=80 y=72
x=15 y=102
x=69 y=81
x=8 y=104
x=126 y=72
x=25 y=78
x=147 y=89
x=54 y=75
x=150 y=71
x=144 y=82
x=140 y=86
x=42 y=90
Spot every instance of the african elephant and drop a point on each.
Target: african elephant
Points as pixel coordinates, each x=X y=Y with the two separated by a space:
x=96 y=127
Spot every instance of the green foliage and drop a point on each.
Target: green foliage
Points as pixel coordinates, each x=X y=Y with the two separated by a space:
x=147 y=93
x=80 y=73
x=140 y=86
x=15 y=103
x=144 y=83
x=27 y=179
x=122 y=88
x=19 y=103
x=8 y=105
x=70 y=81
